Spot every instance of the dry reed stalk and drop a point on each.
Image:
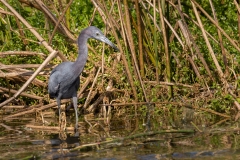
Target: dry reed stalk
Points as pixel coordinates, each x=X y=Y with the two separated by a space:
x=140 y=38
x=220 y=38
x=169 y=84
x=47 y=60
x=42 y=41
x=59 y=20
x=62 y=28
x=21 y=32
x=38 y=36
x=5 y=12
x=209 y=35
x=91 y=89
x=20 y=66
x=189 y=44
x=173 y=29
x=22 y=53
x=7 y=90
x=167 y=54
x=155 y=40
x=238 y=13
x=191 y=39
x=13 y=107
x=34 y=109
x=221 y=75
x=174 y=32
x=49 y=128
x=213 y=21
x=218 y=67
x=20 y=74
x=114 y=25
x=129 y=36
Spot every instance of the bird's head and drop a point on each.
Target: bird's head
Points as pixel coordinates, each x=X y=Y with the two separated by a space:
x=95 y=33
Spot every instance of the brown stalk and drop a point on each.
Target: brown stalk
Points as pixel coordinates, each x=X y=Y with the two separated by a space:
x=113 y=24
x=169 y=84
x=16 y=74
x=219 y=37
x=41 y=6
x=59 y=20
x=7 y=90
x=38 y=36
x=131 y=45
x=214 y=39
x=139 y=33
x=212 y=53
x=165 y=40
x=207 y=41
x=5 y=12
x=50 y=128
x=129 y=75
x=213 y=21
x=87 y=102
x=188 y=42
x=33 y=109
x=191 y=39
x=42 y=41
x=53 y=54
x=22 y=53
x=20 y=66
x=155 y=41
x=25 y=42
x=13 y=107
x=173 y=29
x=238 y=14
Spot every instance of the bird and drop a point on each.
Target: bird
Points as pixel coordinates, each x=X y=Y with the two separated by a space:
x=64 y=80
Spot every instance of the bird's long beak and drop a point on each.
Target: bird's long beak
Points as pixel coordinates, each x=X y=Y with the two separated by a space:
x=106 y=40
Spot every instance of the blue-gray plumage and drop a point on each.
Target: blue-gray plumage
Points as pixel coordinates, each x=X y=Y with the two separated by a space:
x=64 y=80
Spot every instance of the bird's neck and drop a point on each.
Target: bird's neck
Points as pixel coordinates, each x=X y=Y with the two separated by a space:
x=82 y=55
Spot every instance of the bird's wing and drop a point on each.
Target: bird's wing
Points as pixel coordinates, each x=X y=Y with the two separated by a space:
x=54 y=83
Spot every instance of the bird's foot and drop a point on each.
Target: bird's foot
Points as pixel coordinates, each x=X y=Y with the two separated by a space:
x=76 y=134
x=76 y=131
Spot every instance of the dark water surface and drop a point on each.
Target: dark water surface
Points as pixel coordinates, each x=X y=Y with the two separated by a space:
x=215 y=138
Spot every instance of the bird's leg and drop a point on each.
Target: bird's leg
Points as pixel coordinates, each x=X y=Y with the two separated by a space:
x=59 y=110
x=76 y=115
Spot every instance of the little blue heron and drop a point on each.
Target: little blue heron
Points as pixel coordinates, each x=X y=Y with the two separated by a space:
x=64 y=79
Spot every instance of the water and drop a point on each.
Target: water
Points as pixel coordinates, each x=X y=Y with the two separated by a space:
x=123 y=137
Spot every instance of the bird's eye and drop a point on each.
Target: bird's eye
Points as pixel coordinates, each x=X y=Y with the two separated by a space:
x=97 y=34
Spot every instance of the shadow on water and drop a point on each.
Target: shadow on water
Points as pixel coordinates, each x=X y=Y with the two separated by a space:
x=181 y=134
